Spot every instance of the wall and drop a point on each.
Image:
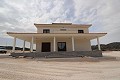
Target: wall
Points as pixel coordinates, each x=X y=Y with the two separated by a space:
x=39 y=43
x=80 y=44
x=68 y=29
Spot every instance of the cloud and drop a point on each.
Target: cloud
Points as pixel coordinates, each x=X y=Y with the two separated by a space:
x=19 y=16
x=103 y=14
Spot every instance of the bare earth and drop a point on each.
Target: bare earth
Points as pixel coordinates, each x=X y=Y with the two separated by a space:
x=105 y=68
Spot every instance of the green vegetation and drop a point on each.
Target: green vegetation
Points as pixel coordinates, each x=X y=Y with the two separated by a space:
x=16 y=48
x=115 y=46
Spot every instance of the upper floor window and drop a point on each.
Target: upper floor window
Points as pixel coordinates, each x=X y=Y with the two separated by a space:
x=62 y=29
x=80 y=31
x=46 y=30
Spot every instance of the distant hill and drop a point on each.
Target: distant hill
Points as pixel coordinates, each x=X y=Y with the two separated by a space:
x=115 y=46
x=16 y=48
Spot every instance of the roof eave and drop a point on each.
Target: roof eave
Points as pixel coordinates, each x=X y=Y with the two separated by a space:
x=69 y=24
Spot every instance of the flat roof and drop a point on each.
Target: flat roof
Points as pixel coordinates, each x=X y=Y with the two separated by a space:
x=63 y=24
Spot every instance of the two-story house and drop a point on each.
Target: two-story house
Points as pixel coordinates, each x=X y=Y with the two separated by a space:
x=58 y=37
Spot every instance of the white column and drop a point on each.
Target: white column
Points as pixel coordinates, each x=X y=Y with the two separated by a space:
x=32 y=44
x=14 y=44
x=98 y=43
x=24 y=46
x=54 y=44
x=73 y=44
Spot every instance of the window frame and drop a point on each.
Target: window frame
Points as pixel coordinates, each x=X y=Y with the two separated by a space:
x=46 y=30
x=80 y=31
x=63 y=29
x=61 y=44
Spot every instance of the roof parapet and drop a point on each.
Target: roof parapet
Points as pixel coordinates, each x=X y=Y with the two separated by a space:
x=69 y=24
x=63 y=23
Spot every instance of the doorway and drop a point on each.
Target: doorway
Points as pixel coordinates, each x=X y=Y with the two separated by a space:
x=46 y=47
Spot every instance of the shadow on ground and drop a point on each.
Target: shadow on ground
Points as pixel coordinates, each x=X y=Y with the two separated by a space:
x=73 y=59
x=79 y=59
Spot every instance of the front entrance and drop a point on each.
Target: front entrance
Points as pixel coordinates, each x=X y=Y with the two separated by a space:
x=46 y=47
x=61 y=46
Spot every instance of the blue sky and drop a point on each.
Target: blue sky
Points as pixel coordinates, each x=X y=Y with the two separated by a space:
x=20 y=16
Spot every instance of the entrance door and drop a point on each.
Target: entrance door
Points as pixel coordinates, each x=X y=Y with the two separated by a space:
x=61 y=46
x=46 y=47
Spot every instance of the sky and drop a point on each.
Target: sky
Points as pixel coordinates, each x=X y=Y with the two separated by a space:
x=20 y=16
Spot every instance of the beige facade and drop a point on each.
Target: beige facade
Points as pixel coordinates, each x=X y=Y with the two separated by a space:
x=59 y=29
x=80 y=44
x=59 y=37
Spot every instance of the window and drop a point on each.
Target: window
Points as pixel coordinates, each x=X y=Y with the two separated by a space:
x=80 y=31
x=61 y=46
x=62 y=29
x=46 y=30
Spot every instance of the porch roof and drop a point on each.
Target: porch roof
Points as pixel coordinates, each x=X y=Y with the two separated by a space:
x=28 y=36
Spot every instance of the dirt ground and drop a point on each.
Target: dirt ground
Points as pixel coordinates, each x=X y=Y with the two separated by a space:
x=87 y=68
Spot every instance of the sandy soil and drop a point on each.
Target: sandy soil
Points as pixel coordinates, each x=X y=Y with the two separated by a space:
x=105 y=68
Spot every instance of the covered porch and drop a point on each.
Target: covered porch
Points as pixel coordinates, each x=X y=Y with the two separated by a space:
x=34 y=38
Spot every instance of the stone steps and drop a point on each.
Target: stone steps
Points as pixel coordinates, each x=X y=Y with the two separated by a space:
x=59 y=54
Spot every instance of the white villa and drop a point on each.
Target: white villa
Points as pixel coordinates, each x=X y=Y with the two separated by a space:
x=59 y=37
